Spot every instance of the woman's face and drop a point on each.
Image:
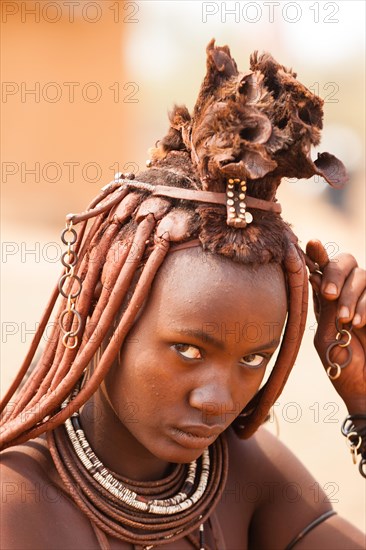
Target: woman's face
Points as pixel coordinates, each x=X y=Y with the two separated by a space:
x=198 y=353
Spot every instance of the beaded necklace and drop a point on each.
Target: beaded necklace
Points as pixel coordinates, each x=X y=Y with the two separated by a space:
x=144 y=513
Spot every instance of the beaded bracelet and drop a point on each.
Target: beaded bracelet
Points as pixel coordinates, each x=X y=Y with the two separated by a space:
x=356 y=439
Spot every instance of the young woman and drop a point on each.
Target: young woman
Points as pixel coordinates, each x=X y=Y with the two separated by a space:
x=140 y=424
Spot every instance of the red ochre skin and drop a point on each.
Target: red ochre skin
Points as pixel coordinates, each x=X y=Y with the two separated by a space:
x=194 y=359
x=188 y=365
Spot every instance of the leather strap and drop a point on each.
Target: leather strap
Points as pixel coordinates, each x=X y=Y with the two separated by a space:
x=188 y=244
x=309 y=528
x=195 y=195
x=209 y=196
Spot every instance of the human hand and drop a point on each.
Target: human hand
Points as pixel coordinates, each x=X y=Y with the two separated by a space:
x=339 y=295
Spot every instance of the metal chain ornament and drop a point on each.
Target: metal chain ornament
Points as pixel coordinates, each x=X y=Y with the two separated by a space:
x=70 y=326
x=342 y=332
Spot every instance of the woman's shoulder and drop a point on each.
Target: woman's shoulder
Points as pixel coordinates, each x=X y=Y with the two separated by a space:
x=24 y=468
x=285 y=498
x=262 y=457
x=265 y=458
x=275 y=487
x=36 y=511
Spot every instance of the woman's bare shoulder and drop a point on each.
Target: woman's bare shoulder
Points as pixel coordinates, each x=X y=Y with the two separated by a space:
x=266 y=459
x=287 y=498
x=36 y=511
x=263 y=455
x=24 y=468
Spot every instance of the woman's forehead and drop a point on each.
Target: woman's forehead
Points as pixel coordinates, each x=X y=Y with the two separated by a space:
x=199 y=290
x=189 y=266
x=195 y=277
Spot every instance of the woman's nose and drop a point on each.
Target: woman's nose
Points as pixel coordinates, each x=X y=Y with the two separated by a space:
x=213 y=398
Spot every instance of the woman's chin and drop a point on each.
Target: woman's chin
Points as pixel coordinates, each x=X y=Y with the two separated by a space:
x=177 y=454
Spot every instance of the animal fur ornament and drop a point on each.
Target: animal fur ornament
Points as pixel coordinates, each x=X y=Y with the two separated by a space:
x=257 y=126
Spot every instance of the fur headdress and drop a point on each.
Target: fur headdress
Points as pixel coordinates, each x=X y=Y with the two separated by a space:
x=257 y=126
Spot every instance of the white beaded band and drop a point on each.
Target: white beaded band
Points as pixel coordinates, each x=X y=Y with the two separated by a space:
x=180 y=502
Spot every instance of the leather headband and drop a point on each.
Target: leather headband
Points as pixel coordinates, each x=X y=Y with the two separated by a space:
x=235 y=199
x=204 y=196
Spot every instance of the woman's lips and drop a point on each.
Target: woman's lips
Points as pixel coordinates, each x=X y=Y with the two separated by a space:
x=195 y=437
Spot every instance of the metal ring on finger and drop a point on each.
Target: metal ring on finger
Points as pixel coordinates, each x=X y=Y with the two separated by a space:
x=315 y=268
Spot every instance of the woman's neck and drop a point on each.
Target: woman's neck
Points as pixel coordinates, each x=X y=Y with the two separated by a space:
x=115 y=446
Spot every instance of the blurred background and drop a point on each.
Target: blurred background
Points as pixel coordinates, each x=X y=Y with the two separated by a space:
x=86 y=87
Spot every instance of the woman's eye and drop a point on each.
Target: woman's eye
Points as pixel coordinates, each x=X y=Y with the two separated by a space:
x=253 y=360
x=188 y=351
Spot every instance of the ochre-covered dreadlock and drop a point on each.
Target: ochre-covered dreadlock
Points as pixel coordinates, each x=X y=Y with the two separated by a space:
x=256 y=127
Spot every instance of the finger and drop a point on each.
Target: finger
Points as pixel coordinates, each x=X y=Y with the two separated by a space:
x=359 y=319
x=317 y=253
x=327 y=329
x=335 y=274
x=315 y=281
x=350 y=295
